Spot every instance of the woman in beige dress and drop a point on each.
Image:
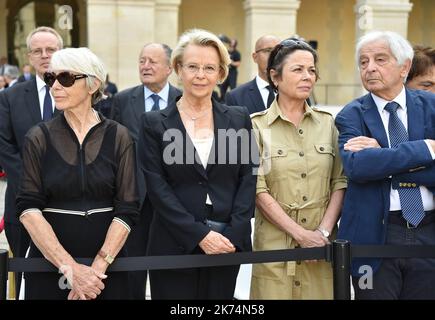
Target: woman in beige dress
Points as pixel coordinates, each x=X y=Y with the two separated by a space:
x=301 y=185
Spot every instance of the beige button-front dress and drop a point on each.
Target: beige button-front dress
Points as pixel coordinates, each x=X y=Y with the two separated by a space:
x=301 y=169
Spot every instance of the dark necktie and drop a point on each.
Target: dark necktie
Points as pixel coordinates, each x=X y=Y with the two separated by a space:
x=410 y=198
x=47 y=113
x=271 y=96
x=156 y=99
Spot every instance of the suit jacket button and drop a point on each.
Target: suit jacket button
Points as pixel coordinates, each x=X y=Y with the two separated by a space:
x=303 y=220
x=280 y=152
x=304 y=198
x=414 y=185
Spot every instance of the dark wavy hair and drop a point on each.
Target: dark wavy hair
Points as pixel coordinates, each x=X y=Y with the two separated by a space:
x=281 y=52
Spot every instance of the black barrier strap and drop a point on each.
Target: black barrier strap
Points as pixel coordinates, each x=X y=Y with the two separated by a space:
x=182 y=261
x=390 y=251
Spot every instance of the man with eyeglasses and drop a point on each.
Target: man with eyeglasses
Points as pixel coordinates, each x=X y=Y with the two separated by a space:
x=155 y=93
x=22 y=107
x=256 y=94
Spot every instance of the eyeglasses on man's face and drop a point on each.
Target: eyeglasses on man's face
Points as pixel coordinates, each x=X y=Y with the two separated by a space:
x=66 y=79
x=39 y=51
x=194 y=68
x=264 y=50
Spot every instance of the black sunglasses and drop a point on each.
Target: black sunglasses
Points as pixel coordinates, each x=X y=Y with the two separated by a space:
x=66 y=79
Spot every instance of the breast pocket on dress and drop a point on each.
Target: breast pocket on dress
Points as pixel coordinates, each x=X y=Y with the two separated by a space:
x=275 y=162
x=324 y=159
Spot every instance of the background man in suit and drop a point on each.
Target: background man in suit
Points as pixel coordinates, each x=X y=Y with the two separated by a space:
x=255 y=94
x=27 y=73
x=154 y=93
x=11 y=75
x=388 y=149
x=22 y=107
x=3 y=65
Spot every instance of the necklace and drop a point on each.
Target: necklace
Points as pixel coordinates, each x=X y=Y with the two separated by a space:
x=201 y=115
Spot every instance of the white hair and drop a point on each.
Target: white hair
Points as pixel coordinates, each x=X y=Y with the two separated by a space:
x=399 y=46
x=84 y=61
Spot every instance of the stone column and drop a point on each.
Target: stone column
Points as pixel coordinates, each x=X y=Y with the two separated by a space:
x=3 y=29
x=389 y=15
x=166 y=22
x=116 y=31
x=277 y=17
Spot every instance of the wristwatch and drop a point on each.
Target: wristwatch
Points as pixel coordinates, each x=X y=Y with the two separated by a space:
x=324 y=232
x=107 y=257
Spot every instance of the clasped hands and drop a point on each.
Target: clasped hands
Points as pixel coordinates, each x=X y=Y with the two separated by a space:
x=216 y=243
x=87 y=282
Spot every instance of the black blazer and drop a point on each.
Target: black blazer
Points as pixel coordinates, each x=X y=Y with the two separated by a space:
x=129 y=104
x=19 y=111
x=246 y=95
x=178 y=190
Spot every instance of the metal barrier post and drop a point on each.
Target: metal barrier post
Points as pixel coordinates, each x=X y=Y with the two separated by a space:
x=3 y=273
x=341 y=269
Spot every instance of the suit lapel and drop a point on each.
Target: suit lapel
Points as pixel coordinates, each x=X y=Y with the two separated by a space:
x=182 y=140
x=373 y=121
x=256 y=98
x=137 y=102
x=32 y=100
x=221 y=121
x=173 y=94
x=415 y=118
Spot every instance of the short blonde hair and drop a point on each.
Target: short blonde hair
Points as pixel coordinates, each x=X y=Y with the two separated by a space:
x=203 y=38
x=84 y=61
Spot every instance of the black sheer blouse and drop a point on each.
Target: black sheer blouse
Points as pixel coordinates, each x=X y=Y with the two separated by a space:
x=80 y=189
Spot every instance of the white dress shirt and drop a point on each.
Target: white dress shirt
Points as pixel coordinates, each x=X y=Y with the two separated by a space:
x=163 y=101
x=203 y=148
x=261 y=84
x=427 y=196
x=40 y=85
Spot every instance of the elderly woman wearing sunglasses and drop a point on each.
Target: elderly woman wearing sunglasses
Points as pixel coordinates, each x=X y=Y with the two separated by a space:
x=78 y=194
x=301 y=185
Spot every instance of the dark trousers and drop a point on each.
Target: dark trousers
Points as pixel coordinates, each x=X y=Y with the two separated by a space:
x=214 y=283
x=136 y=246
x=19 y=241
x=403 y=279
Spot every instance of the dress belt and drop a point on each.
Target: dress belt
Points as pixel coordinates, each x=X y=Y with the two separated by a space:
x=78 y=213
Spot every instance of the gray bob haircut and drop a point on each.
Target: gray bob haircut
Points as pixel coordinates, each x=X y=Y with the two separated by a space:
x=44 y=29
x=399 y=46
x=202 y=38
x=84 y=61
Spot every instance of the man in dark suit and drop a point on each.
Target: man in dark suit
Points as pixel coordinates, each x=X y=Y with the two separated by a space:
x=154 y=93
x=388 y=149
x=22 y=107
x=255 y=94
x=27 y=73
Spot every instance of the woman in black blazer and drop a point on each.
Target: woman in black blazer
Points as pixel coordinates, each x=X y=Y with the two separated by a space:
x=197 y=156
